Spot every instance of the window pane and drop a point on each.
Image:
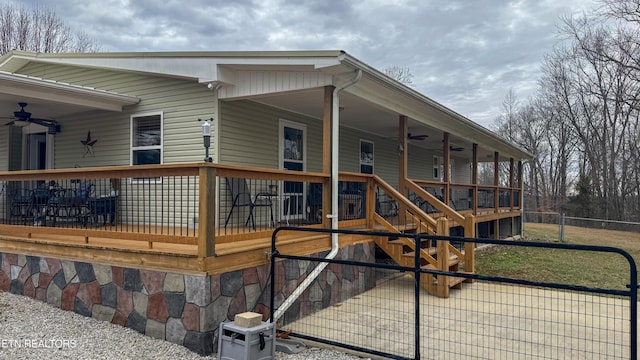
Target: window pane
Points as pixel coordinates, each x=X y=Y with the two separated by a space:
x=142 y=157
x=146 y=131
x=293 y=144
x=366 y=169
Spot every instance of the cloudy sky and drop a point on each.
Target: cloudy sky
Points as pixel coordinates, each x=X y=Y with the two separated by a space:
x=463 y=54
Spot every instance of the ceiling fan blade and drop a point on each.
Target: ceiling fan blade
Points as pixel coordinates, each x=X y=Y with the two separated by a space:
x=43 y=122
x=417 y=137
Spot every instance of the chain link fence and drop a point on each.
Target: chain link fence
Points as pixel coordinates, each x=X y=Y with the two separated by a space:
x=559 y=226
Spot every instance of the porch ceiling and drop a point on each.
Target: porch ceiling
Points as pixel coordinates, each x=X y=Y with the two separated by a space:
x=50 y=99
x=372 y=118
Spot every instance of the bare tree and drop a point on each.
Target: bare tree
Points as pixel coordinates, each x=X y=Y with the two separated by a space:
x=39 y=30
x=400 y=73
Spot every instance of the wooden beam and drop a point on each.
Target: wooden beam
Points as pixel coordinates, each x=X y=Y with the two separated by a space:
x=474 y=178
x=474 y=165
x=442 y=251
x=326 y=153
x=520 y=175
x=446 y=150
x=78 y=252
x=470 y=247
x=207 y=212
x=496 y=181
x=403 y=133
x=511 y=182
x=371 y=203
x=520 y=192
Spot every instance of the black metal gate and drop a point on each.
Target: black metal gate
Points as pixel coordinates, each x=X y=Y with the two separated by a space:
x=380 y=308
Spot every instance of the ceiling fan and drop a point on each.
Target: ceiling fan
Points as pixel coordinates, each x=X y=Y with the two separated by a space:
x=23 y=118
x=411 y=136
x=451 y=148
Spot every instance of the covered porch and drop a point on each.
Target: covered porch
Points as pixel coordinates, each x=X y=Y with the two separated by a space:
x=188 y=217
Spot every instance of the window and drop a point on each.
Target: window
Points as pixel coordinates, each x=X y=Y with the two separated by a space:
x=436 y=168
x=146 y=139
x=366 y=157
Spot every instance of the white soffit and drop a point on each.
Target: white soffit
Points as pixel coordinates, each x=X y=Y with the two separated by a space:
x=205 y=67
x=32 y=87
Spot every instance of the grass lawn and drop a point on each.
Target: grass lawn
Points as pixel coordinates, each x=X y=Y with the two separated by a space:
x=602 y=270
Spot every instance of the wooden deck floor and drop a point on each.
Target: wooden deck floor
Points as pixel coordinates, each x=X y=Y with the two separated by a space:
x=170 y=248
x=245 y=248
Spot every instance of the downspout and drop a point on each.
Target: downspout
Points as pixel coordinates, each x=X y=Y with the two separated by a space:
x=335 y=132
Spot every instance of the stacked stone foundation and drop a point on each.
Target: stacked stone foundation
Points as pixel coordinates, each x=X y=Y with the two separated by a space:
x=185 y=309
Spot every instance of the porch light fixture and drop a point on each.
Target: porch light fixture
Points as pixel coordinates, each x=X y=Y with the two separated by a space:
x=206 y=137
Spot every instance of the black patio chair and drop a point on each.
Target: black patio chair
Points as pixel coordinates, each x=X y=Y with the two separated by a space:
x=21 y=205
x=67 y=204
x=81 y=201
x=242 y=197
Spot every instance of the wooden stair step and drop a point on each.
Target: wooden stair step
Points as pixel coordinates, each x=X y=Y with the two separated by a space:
x=453 y=261
x=453 y=281
x=431 y=251
x=407 y=228
x=402 y=242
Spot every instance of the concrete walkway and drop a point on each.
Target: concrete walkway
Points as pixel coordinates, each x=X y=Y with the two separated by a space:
x=480 y=321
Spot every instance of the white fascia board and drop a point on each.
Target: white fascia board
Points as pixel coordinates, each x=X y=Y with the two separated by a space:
x=204 y=69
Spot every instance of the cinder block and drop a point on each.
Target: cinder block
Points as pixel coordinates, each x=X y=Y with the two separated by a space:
x=247 y=319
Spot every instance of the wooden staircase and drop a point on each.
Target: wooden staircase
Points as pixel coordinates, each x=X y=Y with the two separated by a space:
x=439 y=256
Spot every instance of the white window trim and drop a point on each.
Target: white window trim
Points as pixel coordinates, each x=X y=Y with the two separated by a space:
x=287 y=123
x=373 y=159
x=152 y=147
x=282 y=123
x=436 y=168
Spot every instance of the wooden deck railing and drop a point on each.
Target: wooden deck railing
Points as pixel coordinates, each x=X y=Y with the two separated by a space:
x=479 y=199
x=195 y=207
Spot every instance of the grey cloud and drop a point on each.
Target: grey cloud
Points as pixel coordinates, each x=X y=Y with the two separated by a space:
x=465 y=54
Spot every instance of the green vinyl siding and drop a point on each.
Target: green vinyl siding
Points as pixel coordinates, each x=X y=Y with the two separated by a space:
x=181 y=102
x=249 y=135
x=4 y=148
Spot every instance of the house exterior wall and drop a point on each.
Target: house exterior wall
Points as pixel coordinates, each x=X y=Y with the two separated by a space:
x=4 y=148
x=181 y=102
x=249 y=137
x=185 y=309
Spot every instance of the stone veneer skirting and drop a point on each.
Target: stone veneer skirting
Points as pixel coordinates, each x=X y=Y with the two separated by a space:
x=182 y=308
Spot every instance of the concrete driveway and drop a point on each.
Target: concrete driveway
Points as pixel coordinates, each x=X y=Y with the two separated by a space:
x=480 y=321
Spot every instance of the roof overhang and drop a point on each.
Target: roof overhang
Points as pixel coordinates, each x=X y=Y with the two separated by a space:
x=27 y=87
x=203 y=66
x=375 y=102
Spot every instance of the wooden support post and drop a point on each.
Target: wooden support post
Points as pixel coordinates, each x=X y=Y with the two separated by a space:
x=446 y=176
x=474 y=178
x=470 y=248
x=326 y=154
x=371 y=203
x=403 y=133
x=520 y=193
x=496 y=182
x=206 y=212
x=520 y=175
x=511 y=182
x=442 y=254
